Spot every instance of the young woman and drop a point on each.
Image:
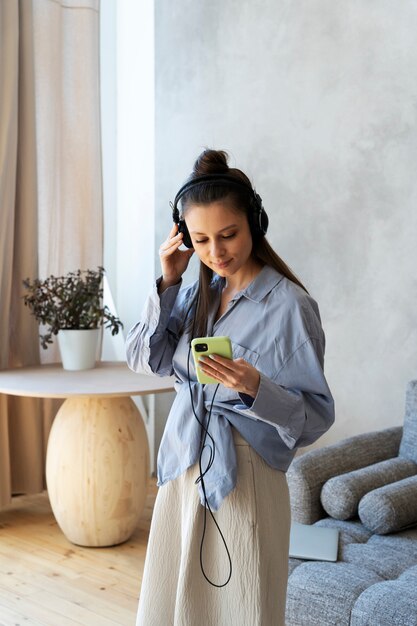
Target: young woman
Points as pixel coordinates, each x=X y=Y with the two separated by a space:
x=218 y=545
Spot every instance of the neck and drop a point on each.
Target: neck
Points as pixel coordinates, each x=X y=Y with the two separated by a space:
x=243 y=278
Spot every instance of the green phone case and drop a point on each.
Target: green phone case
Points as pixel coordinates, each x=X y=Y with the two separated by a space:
x=204 y=346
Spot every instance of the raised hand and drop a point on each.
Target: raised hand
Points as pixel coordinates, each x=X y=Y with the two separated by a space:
x=174 y=261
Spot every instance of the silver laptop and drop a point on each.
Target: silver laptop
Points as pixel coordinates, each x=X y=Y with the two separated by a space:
x=313 y=542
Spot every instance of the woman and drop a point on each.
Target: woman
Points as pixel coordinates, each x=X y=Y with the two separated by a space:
x=226 y=448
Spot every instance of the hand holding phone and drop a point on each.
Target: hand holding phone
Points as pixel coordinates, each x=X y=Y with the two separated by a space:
x=204 y=346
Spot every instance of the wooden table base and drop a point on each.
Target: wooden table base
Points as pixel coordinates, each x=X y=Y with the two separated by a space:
x=97 y=469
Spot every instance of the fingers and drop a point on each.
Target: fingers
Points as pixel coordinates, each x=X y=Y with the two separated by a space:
x=172 y=242
x=221 y=368
x=173 y=231
x=236 y=374
x=174 y=261
x=222 y=363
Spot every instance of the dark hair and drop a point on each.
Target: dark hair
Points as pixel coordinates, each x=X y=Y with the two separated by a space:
x=215 y=162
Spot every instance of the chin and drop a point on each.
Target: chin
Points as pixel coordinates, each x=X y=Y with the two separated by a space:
x=224 y=271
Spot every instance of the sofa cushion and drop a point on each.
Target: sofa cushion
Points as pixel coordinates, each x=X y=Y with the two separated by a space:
x=408 y=445
x=349 y=532
x=404 y=541
x=323 y=594
x=391 y=603
x=341 y=494
x=383 y=560
x=390 y=508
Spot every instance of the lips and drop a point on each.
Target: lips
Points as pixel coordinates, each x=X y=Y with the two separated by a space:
x=223 y=265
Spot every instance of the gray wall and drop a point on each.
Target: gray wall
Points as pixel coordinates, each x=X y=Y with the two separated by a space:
x=316 y=101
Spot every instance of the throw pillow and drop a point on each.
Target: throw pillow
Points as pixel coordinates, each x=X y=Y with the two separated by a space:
x=340 y=496
x=390 y=508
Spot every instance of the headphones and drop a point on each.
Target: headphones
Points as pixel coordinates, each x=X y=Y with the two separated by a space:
x=257 y=217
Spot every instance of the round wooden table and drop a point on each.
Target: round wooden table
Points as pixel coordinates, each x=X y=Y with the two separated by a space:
x=97 y=464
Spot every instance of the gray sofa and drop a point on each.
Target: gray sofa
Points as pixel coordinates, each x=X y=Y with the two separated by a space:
x=366 y=486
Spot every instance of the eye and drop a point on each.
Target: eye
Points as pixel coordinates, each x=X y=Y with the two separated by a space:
x=201 y=241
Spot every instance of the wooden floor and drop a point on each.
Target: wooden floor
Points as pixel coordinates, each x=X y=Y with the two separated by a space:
x=47 y=581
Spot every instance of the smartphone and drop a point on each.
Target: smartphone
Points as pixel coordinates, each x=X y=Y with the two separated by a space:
x=204 y=346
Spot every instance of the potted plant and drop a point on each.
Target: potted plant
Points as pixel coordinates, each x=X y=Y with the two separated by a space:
x=71 y=307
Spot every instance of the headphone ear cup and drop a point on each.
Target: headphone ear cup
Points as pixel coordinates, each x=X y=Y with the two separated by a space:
x=186 y=239
x=182 y=226
x=258 y=218
x=263 y=221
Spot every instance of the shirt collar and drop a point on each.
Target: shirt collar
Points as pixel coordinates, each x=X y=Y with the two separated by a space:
x=262 y=284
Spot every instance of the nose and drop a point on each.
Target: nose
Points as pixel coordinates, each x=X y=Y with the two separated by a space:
x=217 y=249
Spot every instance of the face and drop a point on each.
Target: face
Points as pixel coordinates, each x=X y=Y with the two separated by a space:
x=221 y=237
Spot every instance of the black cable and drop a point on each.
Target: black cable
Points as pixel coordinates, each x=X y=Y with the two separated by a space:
x=204 y=434
x=207 y=506
x=204 y=429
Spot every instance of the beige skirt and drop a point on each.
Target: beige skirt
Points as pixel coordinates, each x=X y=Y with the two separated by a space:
x=255 y=521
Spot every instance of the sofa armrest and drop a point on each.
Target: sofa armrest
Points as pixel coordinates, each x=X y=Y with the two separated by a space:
x=308 y=472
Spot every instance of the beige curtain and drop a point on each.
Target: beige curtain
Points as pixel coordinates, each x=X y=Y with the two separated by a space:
x=50 y=194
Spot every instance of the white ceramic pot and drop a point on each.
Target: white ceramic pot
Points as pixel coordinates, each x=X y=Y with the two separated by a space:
x=78 y=348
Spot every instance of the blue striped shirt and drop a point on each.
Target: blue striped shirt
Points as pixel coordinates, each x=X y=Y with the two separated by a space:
x=273 y=324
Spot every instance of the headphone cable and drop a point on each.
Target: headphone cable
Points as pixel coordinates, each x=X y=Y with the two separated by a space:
x=200 y=479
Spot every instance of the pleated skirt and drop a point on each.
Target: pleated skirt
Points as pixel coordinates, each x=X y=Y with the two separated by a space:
x=255 y=522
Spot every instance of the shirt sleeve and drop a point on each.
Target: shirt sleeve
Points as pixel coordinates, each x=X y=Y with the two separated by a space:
x=297 y=402
x=151 y=343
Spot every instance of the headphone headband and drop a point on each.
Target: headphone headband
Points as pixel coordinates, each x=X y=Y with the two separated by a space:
x=221 y=179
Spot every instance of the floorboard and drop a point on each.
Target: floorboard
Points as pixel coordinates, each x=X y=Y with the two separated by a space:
x=47 y=581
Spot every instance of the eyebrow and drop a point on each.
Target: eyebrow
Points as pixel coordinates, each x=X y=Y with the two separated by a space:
x=194 y=232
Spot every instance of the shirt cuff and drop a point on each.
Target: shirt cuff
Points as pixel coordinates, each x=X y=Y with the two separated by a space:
x=168 y=296
x=247 y=400
x=273 y=403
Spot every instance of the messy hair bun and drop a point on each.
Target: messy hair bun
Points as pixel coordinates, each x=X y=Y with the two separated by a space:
x=211 y=162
